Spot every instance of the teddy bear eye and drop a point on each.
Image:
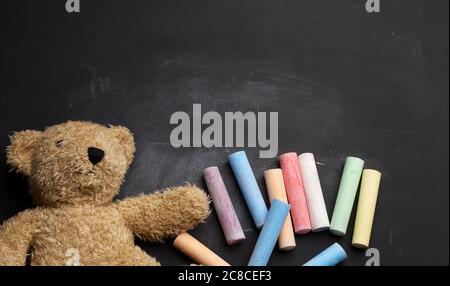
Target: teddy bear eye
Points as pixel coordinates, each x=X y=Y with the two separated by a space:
x=59 y=143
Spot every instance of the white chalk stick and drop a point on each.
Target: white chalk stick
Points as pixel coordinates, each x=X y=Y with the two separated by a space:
x=313 y=191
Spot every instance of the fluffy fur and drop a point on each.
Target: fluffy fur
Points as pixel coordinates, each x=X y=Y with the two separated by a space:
x=76 y=217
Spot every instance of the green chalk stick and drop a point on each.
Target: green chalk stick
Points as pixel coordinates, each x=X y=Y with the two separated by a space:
x=346 y=195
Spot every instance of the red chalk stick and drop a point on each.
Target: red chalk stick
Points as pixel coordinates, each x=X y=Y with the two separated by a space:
x=295 y=192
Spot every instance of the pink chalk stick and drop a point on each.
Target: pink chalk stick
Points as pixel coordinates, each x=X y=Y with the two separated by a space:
x=295 y=192
x=223 y=206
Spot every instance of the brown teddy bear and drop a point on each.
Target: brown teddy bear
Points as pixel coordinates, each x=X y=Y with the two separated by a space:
x=74 y=170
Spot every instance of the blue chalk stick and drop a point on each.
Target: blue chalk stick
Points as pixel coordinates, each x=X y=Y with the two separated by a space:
x=331 y=256
x=249 y=187
x=269 y=233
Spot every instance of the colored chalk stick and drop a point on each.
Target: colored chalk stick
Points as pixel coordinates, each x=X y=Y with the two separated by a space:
x=269 y=234
x=313 y=191
x=197 y=251
x=276 y=190
x=368 y=194
x=224 y=207
x=331 y=256
x=346 y=195
x=249 y=187
x=295 y=192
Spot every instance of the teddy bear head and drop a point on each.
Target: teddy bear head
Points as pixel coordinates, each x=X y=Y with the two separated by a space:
x=73 y=163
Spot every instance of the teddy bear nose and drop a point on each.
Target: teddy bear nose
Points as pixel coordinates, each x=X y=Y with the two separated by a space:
x=95 y=155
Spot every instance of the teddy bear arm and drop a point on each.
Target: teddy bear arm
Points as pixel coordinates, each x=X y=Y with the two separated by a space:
x=165 y=214
x=16 y=236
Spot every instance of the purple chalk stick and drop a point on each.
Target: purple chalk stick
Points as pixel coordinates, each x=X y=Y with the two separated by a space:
x=223 y=206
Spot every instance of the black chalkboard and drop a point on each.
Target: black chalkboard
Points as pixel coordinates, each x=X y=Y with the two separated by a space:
x=344 y=82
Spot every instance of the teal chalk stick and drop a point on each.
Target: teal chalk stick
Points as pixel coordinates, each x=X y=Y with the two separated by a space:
x=269 y=234
x=346 y=195
x=249 y=187
x=331 y=256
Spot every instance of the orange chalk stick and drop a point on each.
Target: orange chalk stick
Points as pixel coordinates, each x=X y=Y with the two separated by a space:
x=276 y=190
x=197 y=251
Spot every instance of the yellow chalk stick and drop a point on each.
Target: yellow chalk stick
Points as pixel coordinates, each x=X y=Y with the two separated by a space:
x=370 y=184
x=197 y=251
x=276 y=190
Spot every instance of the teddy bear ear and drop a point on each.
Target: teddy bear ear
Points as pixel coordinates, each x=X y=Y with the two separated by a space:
x=126 y=138
x=19 y=154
